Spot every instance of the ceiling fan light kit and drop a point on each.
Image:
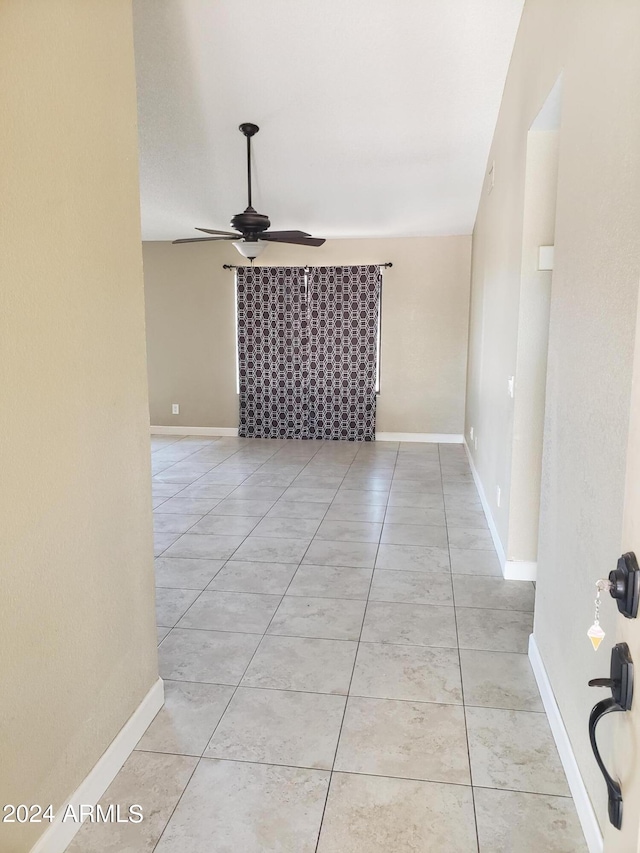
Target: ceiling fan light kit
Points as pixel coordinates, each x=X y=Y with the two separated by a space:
x=252 y=228
x=250 y=249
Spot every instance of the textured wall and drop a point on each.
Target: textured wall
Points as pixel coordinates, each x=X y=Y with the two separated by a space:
x=593 y=309
x=77 y=636
x=425 y=315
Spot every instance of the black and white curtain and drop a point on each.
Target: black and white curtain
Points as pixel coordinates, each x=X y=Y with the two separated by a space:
x=273 y=345
x=307 y=351
x=343 y=351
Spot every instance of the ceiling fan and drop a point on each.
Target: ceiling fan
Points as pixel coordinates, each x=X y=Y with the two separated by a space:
x=252 y=235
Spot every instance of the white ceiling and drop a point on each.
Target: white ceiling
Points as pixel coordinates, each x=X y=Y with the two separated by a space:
x=376 y=116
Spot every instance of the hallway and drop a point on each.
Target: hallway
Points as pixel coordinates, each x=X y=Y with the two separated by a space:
x=292 y=575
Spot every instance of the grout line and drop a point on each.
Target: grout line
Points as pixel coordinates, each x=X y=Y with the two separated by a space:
x=353 y=669
x=357 y=773
x=464 y=711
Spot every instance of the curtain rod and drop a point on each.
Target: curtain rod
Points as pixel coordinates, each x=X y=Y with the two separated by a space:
x=387 y=264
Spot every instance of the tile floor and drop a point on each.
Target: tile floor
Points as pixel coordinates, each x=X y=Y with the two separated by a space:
x=345 y=668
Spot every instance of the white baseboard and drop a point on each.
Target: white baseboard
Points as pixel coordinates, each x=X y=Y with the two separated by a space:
x=425 y=437
x=586 y=814
x=187 y=430
x=515 y=570
x=520 y=570
x=432 y=437
x=487 y=510
x=57 y=837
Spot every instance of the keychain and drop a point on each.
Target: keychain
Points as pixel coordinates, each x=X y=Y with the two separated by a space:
x=595 y=632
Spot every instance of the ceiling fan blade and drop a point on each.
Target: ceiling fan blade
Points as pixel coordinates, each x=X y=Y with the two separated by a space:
x=288 y=234
x=203 y=239
x=221 y=233
x=299 y=241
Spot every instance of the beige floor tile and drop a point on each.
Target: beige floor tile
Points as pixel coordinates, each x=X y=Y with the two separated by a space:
x=364 y=512
x=459 y=503
x=414 y=534
x=412 y=740
x=287 y=528
x=206 y=546
x=245 y=612
x=415 y=624
x=358 y=555
x=474 y=562
x=171 y=604
x=225 y=478
x=331 y=582
x=186 y=722
x=412 y=558
x=468 y=537
x=257 y=493
x=279 y=727
x=228 y=506
x=499 y=680
x=161 y=541
x=226 y=525
x=375 y=814
x=295 y=493
x=360 y=497
x=265 y=549
x=324 y=618
x=186 y=506
x=207 y=491
x=411 y=587
x=310 y=480
x=303 y=664
x=514 y=750
x=493 y=593
x=510 y=821
x=417 y=487
x=349 y=531
x=298 y=509
x=494 y=630
x=173 y=522
x=185 y=573
x=278 y=478
x=165 y=490
x=467 y=518
x=266 y=578
x=415 y=515
x=216 y=657
x=416 y=500
x=153 y=781
x=385 y=671
x=232 y=806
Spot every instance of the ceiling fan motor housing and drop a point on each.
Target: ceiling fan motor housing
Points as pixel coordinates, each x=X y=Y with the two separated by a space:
x=250 y=224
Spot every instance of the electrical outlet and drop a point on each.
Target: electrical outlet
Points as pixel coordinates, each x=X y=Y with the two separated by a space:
x=497 y=495
x=175 y=408
x=471 y=433
x=511 y=384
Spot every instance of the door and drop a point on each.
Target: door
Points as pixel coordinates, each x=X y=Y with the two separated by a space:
x=626 y=760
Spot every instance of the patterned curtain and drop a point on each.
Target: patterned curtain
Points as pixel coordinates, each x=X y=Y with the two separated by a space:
x=344 y=303
x=273 y=352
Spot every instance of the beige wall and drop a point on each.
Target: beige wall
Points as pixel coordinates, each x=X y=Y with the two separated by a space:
x=593 y=310
x=625 y=766
x=77 y=645
x=191 y=328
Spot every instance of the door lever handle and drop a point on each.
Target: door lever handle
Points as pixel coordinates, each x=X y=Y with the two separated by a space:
x=602 y=682
x=614 y=792
x=621 y=686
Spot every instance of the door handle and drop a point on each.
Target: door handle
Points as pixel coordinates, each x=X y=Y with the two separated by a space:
x=620 y=683
x=625 y=585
